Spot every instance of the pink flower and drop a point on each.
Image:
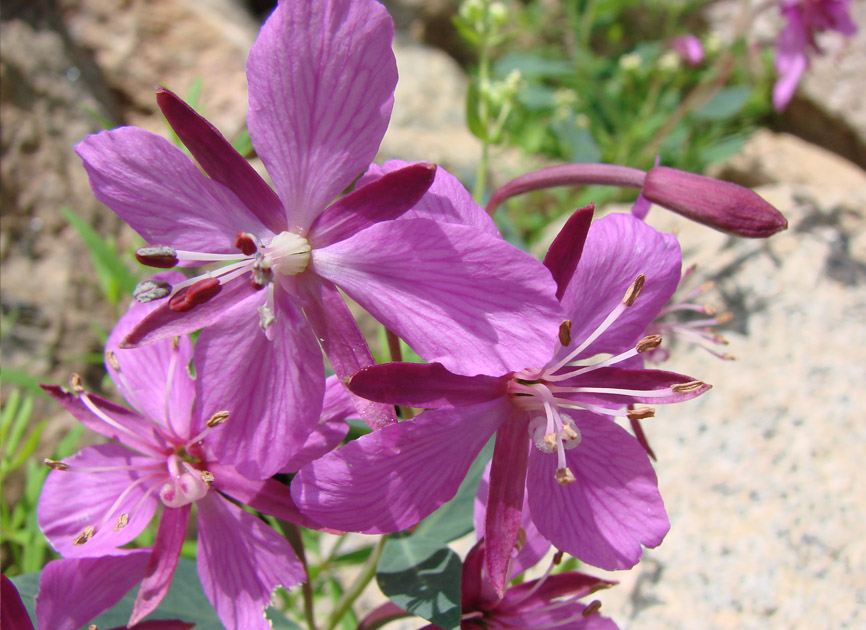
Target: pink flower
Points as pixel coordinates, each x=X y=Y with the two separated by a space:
x=689 y=49
x=589 y=484
x=321 y=82
x=101 y=498
x=803 y=19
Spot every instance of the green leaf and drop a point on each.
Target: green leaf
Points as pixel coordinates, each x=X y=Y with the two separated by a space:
x=456 y=518
x=28 y=447
x=725 y=104
x=533 y=66
x=22 y=417
x=473 y=111
x=422 y=576
x=21 y=379
x=243 y=144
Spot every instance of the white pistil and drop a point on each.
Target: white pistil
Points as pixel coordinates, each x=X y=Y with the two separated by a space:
x=204 y=257
x=224 y=274
x=288 y=253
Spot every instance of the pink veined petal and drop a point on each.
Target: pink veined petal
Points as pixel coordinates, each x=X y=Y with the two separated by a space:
x=394 y=477
x=384 y=199
x=447 y=200
x=611 y=509
x=625 y=379
x=268 y=495
x=791 y=58
x=422 y=279
x=161 y=194
x=240 y=562
x=153 y=379
x=341 y=340
x=553 y=586
x=427 y=385
x=164 y=322
x=507 y=483
x=554 y=617
x=13 y=614
x=72 y=591
x=564 y=253
x=162 y=563
x=272 y=388
x=71 y=501
x=618 y=248
x=332 y=427
x=135 y=431
x=219 y=159
x=321 y=83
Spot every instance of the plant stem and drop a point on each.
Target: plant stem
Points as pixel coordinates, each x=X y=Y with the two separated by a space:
x=484 y=102
x=293 y=535
x=368 y=572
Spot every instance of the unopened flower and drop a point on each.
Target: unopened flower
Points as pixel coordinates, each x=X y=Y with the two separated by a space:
x=803 y=20
x=98 y=500
x=689 y=48
x=321 y=80
x=591 y=488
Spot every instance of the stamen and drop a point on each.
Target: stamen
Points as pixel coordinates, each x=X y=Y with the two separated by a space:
x=150 y=290
x=204 y=257
x=565 y=333
x=266 y=318
x=564 y=476
x=640 y=413
x=634 y=290
x=684 y=388
x=199 y=293
x=75 y=383
x=122 y=521
x=111 y=358
x=246 y=242
x=54 y=464
x=159 y=256
x=218 y=418
x=591 y=609
x=84 y=536
x=650 y=342
x=139 y=441
x=262 y=274
x=207 y=477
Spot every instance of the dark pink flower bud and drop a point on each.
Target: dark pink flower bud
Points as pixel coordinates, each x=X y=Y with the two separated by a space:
x=718 y=204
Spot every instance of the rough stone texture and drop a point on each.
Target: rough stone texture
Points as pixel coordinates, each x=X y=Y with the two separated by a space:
x=762 y=477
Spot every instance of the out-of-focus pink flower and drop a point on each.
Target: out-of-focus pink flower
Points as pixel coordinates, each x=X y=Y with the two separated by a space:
x=805 y=18
x=689 y=48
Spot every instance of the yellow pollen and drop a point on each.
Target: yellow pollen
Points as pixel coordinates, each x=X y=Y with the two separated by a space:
x=564 y=477
x=550 y=440
x=122 y=521
x=75 y=383
x=565 y=333
x=634 y=290
x=84 y=536
x=650 y=342
x=640 y=413
x=207 y=477
x=569 y=433
x=112 y=360
x=53 y=464
x=521 y=539
x=684 y=388
x=218 y=418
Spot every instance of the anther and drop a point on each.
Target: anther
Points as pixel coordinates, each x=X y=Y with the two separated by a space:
x=550 y=441
x=569 y=433
x=634 y=290
x=159 y=256
x=724 y=318
x=75 y=384
x=565 y=332
x=122 y=521
x=207 y=477
x=684 y=388
x=521 y=539
x=557 y=558
x=262 y=273
x=198 y=293
x=640 y=413
x=93 y=626
x=112 y=360
x=53 y=464
x=266 y=317
x=246 y=242
x=650 y=342
x=84 y=536
x=150 y=290
x=564 y=477
x=592 y=608
x=218 y=418
x=175 y=343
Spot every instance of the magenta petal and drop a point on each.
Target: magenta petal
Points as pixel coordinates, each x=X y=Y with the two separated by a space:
x=611 y=509
x=272 y=388
x=73 y=591
x=645 y=380
x=342 y=340
x=161 y=194
x=164 y=322
x=382 y=200
x=427 y=385
x=422 y=278
x=240 y=563
x=505 y=497
x=618 y=248
x=321 y=82
x=564 y=253
x=392 y=478
x=219 y=159
x=13 y=614
x=162 y=563
x=71 y=501
x=447 y=200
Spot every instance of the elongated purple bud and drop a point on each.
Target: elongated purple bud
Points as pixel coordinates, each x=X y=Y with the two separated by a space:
x=721 y=205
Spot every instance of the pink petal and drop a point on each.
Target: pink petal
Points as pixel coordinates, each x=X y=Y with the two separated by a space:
x=384 y=199
x=220 y=160
x=240 y=563
x=342 y=340
x=71 y=501
x=564 y=253
x=155 y=188
x=13 y=614
x=447 y=200
x=618 y=248
x=394 y=477
x=427 y=385
x=162 y=563
x=644 y=380
x=321 y=82
x=150 y=373
x=272 y=388
x=422 y=278
x=611 y=509
x=73 y=591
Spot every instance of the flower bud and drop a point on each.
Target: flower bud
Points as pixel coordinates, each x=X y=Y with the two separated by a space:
x=718 y=204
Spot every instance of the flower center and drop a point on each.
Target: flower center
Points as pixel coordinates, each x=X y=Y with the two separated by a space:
x=185 y=484
x=288 y=253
